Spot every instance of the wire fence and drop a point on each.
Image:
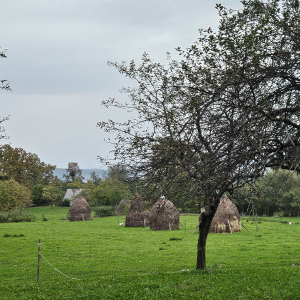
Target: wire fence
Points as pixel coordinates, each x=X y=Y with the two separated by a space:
x=57 y=269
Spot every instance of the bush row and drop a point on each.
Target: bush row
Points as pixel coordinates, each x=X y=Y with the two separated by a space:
x=104 y=211
x=16 y=216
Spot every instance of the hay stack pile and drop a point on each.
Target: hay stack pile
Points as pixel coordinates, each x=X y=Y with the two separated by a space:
x=122 y=205
x=164 y=215
x=80 y=210
x=226 y=214
x=137 y=216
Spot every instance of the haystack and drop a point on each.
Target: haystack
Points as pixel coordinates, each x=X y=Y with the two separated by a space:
x=122 y=206
x=80 y=210
x=227 y=217
x=164 y=215
x=137 y=216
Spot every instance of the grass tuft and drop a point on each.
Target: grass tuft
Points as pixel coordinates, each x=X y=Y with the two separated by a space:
x=175 y=239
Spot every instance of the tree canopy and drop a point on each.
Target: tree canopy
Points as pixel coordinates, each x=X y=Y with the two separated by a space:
x=13 y=195
x=223 y=114
x=24 y=167
x=109 y=192
x=73 y=172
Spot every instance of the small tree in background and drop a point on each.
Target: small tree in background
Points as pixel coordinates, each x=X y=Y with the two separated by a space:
x=96 y=179
x=76 y=184
x=73 y=172
x=52 y=195
x=87 y=190
x=37 y=194
x=109 y=192
x=13 y=195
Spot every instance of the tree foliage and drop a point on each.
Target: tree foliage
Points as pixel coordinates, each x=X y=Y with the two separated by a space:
x=52 y=195
x=37 y=194
x=215 y=120
x=87 y=190
x=24 y=167
x=13 y=195
x=96 y=179
x=109 y=192
x=278 y=192
x=118 y=172
x=73 y=172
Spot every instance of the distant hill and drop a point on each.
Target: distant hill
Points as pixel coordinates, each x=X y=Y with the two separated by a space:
x=86 y=173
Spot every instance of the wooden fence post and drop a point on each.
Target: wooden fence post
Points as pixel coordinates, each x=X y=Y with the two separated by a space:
x=38 y=267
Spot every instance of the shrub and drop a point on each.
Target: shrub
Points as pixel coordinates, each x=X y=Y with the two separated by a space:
x=16 y=216
x=13 y=235
x=13 y=195
x=104 y=211
x=175 y=239
x=109 y=192
x=52 y=195
x=37 y=193
x=64 y=202
x=20 y=216
x=3 y=217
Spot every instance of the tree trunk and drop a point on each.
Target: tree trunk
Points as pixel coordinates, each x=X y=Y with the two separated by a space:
x=205 y=221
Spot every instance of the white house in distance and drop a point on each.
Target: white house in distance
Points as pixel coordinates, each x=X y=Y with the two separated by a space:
x=71 y=193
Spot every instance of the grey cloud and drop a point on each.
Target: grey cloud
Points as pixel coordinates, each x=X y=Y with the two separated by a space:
x=57 y=65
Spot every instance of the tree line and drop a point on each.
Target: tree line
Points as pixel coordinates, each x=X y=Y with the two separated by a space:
x=25 y=180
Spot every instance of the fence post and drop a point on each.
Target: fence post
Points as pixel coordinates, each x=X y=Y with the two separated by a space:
x=38 y=267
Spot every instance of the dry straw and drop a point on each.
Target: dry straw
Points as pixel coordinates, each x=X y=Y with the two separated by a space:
x=164 y=215
x=138 y=215
x=227 y=217
x=80 y=210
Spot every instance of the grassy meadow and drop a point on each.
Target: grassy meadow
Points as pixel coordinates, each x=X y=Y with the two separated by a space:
x=113 y=262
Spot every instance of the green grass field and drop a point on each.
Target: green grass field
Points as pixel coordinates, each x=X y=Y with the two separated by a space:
x=114 y=262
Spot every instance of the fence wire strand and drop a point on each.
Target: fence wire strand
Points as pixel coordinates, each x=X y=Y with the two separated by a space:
x=57 y=269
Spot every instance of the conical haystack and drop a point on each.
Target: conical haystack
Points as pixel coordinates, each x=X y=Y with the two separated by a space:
x=164 y=215
x=80 y=210
x=227 y=217
x=137 y=216
x=124 y=203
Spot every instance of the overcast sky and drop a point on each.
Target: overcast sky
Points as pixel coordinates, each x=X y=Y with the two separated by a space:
x=57 y=65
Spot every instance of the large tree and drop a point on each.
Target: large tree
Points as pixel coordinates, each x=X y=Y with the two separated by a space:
x=24 y=167
x=219 y=117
